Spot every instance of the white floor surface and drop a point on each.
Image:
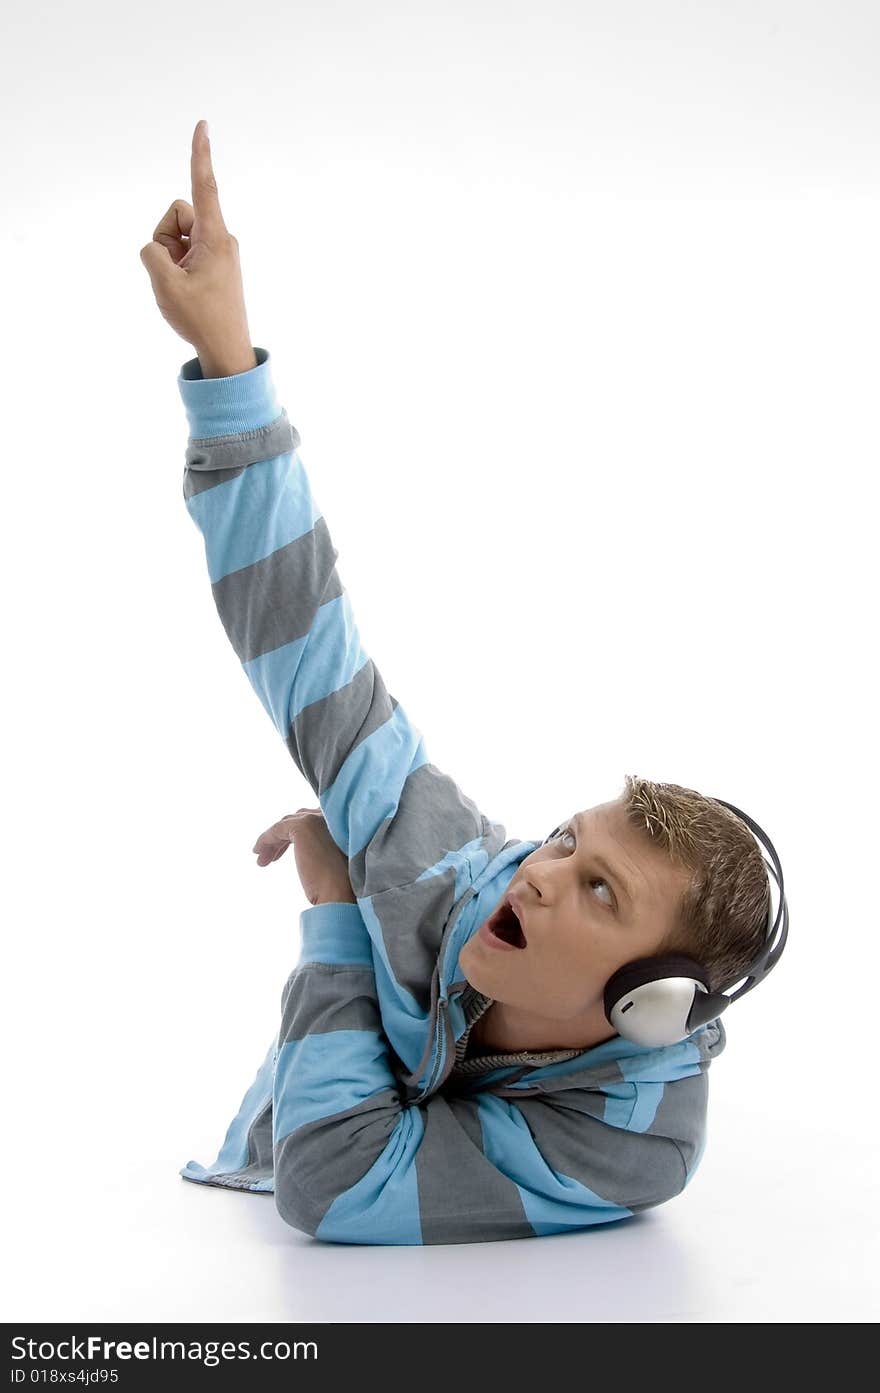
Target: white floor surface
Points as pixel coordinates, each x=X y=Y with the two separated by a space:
x=750 y=1240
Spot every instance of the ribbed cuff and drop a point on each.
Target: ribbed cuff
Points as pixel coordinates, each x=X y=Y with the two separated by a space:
x=335 y=933
x=228 y=405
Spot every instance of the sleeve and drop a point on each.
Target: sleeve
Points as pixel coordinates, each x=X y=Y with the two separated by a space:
x=354 y=1164
x=272 y=568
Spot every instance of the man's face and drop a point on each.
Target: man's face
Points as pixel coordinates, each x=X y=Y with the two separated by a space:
x=597 y=896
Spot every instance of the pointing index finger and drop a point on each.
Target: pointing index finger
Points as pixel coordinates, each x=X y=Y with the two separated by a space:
x=206 y=200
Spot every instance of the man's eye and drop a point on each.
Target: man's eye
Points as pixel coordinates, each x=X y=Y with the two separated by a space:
x=559 y=832
x=597 y=880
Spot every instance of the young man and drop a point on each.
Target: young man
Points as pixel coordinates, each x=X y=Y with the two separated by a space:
x=444 y=1070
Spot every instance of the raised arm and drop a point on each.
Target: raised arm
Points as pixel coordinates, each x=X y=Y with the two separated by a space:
x=271 y=563
x=272 y=566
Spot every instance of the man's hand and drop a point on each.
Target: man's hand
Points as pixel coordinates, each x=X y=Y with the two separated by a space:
x=322 y=867
x=194 y=267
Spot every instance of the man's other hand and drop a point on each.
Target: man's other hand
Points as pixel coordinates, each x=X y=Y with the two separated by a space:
x=322 y=867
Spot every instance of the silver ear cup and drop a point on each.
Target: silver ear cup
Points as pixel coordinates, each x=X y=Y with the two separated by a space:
x=656 y=1013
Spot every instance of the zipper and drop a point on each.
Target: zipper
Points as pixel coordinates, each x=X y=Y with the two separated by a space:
x=442 y=1000
x=442 y=1005
x=435 y=1068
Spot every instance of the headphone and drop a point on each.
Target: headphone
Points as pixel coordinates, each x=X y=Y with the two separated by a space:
x=661 y=1000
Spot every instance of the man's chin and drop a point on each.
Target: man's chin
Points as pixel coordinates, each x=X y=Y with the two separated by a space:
x=469 y=968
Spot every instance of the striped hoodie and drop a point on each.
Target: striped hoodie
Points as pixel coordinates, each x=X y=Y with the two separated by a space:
x=370 y=1119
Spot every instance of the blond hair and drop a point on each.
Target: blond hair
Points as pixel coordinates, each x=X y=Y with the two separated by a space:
x=724 y=912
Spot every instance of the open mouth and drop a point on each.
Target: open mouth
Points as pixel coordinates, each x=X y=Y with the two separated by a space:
x=504 y=925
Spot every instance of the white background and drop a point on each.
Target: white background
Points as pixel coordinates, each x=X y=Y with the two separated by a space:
x=575 y=308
